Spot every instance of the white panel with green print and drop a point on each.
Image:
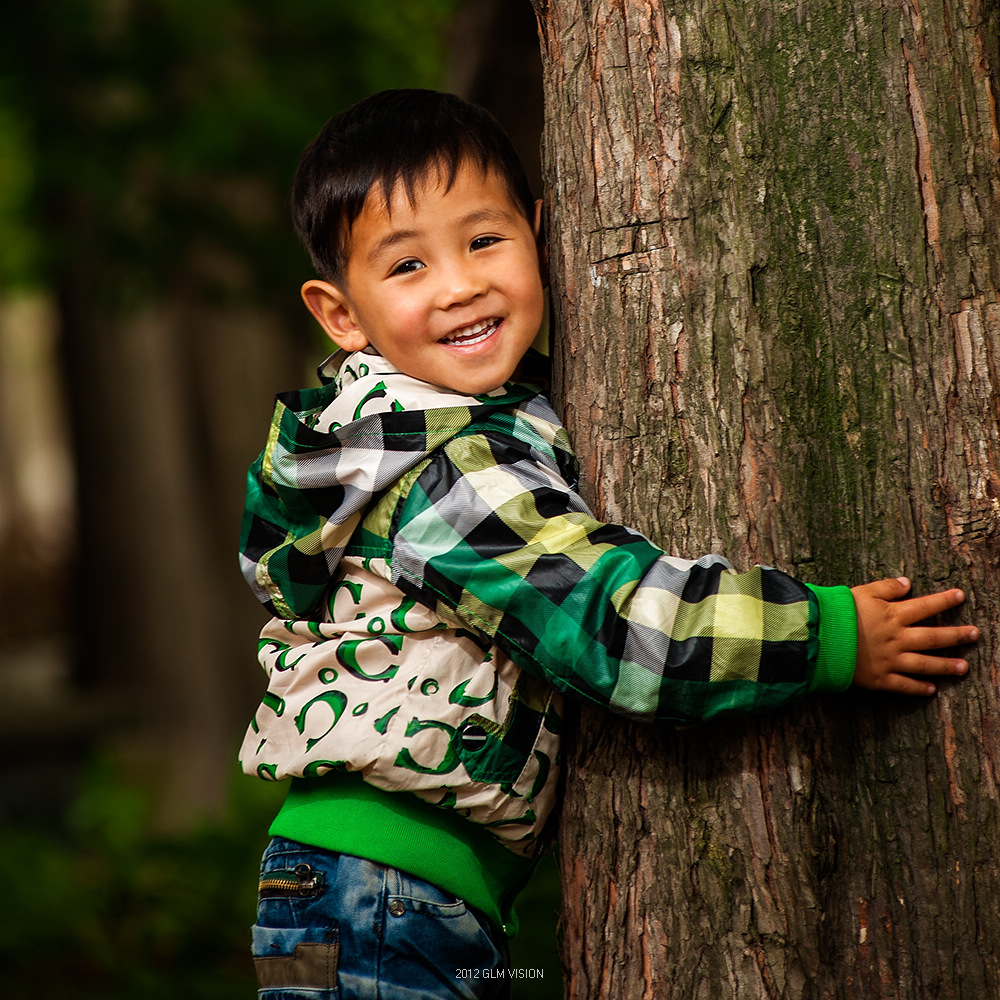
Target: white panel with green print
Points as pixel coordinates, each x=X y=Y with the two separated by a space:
x=387 y=688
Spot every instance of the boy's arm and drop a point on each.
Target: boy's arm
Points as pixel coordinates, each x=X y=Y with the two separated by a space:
x=499 y=544
x=509 y=550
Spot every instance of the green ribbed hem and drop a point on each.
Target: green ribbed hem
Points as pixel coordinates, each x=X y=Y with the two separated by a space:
x=838 y=639
x=341 y=812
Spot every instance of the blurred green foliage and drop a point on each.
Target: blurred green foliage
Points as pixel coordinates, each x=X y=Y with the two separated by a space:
x=142 y=132
x=106 y=909
x=536 y=945
x=19 y=252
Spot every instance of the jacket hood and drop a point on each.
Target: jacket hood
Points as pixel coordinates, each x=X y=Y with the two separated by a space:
x=329 y=452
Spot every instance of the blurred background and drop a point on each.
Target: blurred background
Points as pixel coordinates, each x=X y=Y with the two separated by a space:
x=149 y=311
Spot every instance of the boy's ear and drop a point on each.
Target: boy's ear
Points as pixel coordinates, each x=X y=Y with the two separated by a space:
x=536 y=228
x=333 y=312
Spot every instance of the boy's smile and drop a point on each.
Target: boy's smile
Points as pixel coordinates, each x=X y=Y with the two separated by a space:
x=448 y=287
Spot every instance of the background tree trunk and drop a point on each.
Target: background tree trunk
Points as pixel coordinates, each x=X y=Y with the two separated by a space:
x=146 y=147
x=775 y=238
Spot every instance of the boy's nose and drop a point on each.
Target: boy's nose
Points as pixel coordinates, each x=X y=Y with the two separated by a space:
x=461 y=284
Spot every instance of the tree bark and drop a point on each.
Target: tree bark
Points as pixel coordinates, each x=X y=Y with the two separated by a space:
x=775 y=247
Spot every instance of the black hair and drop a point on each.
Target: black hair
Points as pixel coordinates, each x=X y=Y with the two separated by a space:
x=393 y=137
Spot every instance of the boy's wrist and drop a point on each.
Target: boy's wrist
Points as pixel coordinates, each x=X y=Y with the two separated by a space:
x=837 y=654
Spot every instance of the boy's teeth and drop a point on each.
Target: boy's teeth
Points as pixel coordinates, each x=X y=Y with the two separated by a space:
x=476 y=332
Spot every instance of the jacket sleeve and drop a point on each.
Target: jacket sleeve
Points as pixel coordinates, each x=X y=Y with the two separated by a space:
x=497 y=542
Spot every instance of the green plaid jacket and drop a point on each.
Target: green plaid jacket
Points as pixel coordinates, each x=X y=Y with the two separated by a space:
x=474 y=507
x=438 y=584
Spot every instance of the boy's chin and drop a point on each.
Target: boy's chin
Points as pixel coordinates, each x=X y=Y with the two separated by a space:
x=471 y=385
x=475 y=388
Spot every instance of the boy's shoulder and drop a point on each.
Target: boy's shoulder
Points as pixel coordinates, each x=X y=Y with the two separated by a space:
x=332 y=450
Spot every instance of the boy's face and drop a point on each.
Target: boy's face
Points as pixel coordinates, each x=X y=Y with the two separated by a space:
x=448 y=289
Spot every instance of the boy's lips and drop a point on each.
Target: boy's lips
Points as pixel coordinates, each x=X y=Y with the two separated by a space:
x=474 y=333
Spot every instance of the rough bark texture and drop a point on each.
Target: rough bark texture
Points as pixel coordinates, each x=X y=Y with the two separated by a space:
x=775 y=240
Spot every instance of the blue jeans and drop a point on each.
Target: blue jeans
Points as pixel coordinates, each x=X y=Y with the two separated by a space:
x=335 y=927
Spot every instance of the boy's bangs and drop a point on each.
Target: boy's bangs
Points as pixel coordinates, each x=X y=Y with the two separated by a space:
x=436 y=170
x=396 y=137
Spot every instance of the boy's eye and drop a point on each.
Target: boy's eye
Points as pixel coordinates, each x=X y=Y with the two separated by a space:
x=481 y=242
x=407 y=266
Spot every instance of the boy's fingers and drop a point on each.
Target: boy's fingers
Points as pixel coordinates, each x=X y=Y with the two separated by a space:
x=891 y=588
x=901 y=684
x=915 y=663
x=930 y=637
x=918 y=608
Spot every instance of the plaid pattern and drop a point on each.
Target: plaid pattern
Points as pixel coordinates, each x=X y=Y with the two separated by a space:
x=481 y=521
x=492 y=536
x=437 y=582
x=308 y=489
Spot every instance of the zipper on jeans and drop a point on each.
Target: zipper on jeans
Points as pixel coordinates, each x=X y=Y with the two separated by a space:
x=302 y=881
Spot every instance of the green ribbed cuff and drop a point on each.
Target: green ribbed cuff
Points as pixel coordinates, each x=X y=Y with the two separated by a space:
x=838 y=639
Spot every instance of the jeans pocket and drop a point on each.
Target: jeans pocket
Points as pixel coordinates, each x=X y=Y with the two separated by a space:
x=405 y=891
x=296 y=962
x=430 y=953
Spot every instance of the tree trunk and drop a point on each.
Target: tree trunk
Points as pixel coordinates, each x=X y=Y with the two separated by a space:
x=775 y=242
x=160 y=402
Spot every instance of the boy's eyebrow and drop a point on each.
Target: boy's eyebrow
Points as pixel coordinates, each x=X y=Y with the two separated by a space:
x=388 y=241
x=480 y=215
x=486 y=215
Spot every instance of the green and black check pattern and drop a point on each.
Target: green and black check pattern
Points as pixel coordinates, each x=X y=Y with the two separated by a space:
x=492 y=535
x=308 y=489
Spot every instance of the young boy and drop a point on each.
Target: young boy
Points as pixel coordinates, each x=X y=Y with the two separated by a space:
x=438 y=584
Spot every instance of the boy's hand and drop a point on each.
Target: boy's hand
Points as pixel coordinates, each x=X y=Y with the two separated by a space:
x=887 y=646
